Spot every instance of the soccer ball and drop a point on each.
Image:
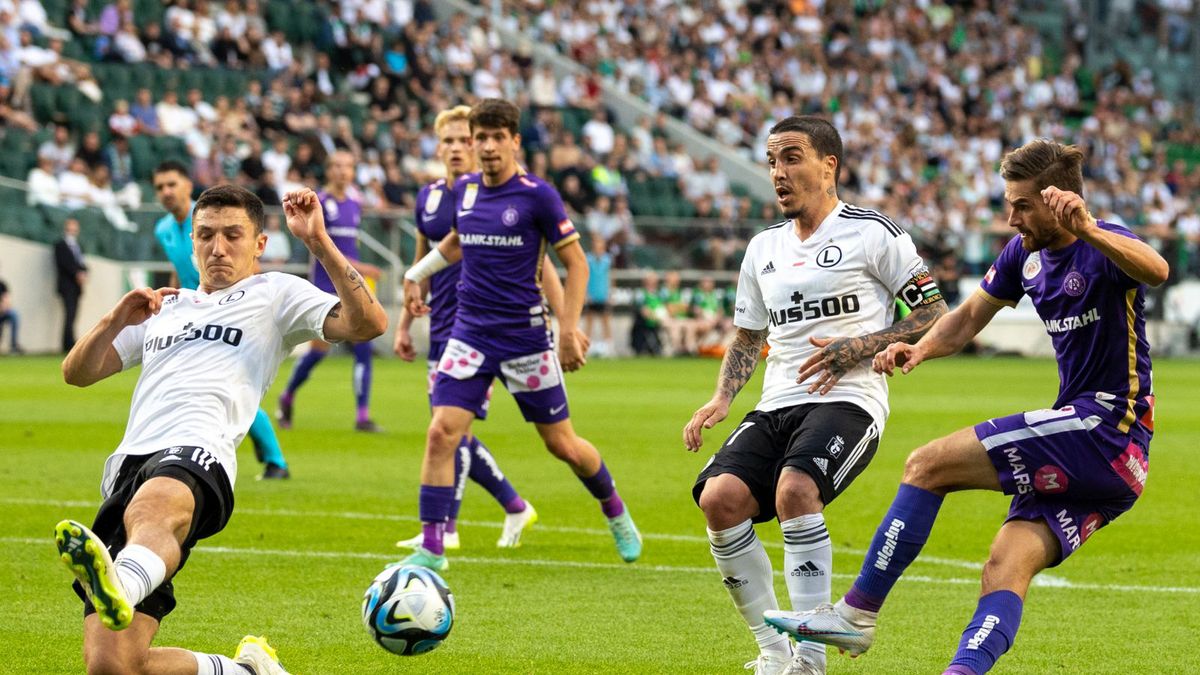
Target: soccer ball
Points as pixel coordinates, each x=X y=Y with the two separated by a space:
x=408 y=610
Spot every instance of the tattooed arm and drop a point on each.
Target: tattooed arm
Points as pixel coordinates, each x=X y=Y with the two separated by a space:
x=838 y=356
x=736 y=369
x=357 y=317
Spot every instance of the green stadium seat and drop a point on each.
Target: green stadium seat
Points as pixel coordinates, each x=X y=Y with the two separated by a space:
x=141 y=151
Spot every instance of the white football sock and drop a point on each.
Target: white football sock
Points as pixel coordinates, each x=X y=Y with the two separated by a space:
x=808 y=568
x=746 y=572
x=140 y=571
x=215 y=664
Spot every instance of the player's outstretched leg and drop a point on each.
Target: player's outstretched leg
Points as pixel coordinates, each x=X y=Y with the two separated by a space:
x=362 y=388
x=255 y=654
x=583 y=458
x=266 y=447
x=299 y=376
x=849 y=625
x=87 y=558
x=519 y=514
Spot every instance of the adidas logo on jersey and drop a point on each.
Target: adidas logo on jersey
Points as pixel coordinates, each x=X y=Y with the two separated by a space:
x=822 y=464
x=768 y=269
x=807 y=569
x=734 y=582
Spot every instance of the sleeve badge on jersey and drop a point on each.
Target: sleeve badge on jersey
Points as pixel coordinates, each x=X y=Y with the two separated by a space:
x=991 y=274
x=472 y=192
x=433 y=201
x=566 y=227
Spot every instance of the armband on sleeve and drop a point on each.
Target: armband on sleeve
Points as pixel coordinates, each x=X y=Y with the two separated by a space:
x=920 y=290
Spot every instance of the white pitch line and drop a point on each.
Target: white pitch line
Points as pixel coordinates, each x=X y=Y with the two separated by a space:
x=579 y=564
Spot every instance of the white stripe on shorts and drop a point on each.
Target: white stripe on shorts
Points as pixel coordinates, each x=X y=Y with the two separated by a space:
x=869 y=435
x=1047 y=429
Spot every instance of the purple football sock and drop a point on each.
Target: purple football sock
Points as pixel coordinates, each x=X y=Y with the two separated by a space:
x=302 y=370
x=603 y=488
x=486 y=472
x=362 y=378
x=434 y=504
x=990 y=633
x=897 y=543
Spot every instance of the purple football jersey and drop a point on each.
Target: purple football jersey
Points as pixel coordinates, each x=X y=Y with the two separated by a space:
x=435 y=219
x=1093 y=314
x=342 y=218
x=504 y=231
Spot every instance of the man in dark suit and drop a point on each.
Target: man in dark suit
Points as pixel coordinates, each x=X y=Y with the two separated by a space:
x=72 y=273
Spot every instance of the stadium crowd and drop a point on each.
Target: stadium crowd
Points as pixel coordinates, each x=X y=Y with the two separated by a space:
x=928 y=95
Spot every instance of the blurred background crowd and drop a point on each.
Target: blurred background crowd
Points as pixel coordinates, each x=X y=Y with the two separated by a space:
x=928 y=94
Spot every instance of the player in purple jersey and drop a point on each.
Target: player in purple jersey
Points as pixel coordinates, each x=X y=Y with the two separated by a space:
x=343 y=211
x=1072 y=468
x=435 y=220
x=504 y=218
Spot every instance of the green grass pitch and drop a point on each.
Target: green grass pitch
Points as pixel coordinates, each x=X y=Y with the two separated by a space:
x=296 y=557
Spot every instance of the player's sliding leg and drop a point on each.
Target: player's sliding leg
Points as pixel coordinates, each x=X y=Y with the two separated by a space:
x=519 y=514
x=362 y=387
x=807 y=555
x=266 y=447
x=129 y=651
x=744 y=566
x=317 y=351
x=447 y=428
x=1020 y=550
x=955 y=462
x=585 y=461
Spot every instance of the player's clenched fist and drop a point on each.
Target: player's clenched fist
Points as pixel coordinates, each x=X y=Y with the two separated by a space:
x=1069 y=210
x=708 y=416
x=140 y=304
x=305 y=218
x=897 y=355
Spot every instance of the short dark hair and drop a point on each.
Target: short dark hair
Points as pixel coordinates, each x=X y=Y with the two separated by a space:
x=495 y=113
x=233 y=197
x=172 y=165
x=1047 y=163
x=824 y=136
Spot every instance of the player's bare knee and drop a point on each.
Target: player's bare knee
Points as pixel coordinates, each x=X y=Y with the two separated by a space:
x=726 y=503
x=118 y=662
x=797 y=495
x=441 y=440
x=562 y=448
x=921 y=467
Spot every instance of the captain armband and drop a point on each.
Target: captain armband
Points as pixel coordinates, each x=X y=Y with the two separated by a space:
x=920 y=290
x=431 y=264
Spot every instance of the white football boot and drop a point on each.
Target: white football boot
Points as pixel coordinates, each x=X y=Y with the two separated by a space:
x=847 y=628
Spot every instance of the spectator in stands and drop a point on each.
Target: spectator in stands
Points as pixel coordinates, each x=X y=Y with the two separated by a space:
x=277 y=161
x=144 y=112
x=279 y=246
x=78 y=21
x=278 y=52
x=72 y=276
x=174 y=118
x=599 y=292
x=43 y=183
x=9 y=115
x=599 y=133
x=8 y=315
x=120 y=163
x=121 y=122
x=574 y=196
x=680 y=327
x=74 y=186
x=712 y=325
x=59 y=149
x=649 y=314
x=90 y=150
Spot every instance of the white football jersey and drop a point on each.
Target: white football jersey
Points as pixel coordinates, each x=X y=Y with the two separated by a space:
x=840 y=282
x=208 y=359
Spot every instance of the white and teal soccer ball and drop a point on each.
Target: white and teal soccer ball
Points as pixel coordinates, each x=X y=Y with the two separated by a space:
x=408 y=610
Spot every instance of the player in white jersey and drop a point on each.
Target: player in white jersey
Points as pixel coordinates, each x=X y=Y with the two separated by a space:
x=208 y=356
x=818 y=288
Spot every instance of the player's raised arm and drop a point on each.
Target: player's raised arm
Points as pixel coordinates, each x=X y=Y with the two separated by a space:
x=358 y=317
x=1134 y=256
x=94 y=357
x=741 y=358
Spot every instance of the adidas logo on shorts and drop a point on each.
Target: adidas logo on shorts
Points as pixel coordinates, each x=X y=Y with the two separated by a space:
x=822 y=464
